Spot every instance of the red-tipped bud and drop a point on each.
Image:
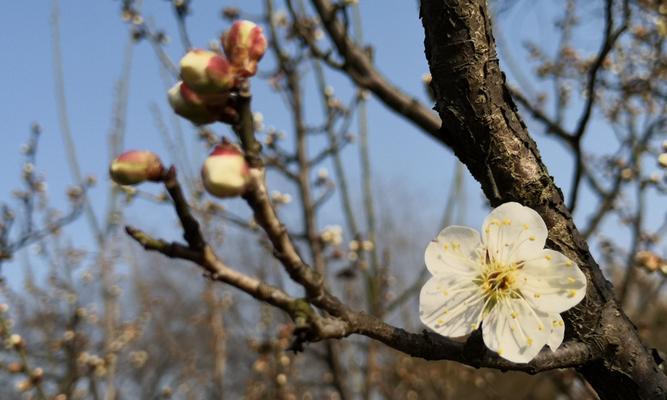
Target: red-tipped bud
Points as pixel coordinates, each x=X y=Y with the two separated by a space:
x=225 y=172
x=15 y=367
x=244 y=44
x=190 y=105
x=207 y=72
x=136 y=166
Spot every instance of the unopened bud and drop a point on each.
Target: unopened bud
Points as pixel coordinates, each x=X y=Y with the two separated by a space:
x=136 y=166
x=15 y=341
x=68 y=335
x=281 y=379
x=205 y=71
x=15 y=367
x=244 y=44
x=662 y=160
x=24 y=385
x=225 y=172
x=648 y=260
x=230 y=12
x=190 y=105
x=37 y=375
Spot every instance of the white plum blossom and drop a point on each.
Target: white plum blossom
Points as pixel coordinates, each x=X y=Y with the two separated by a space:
x=332 y=234
x=504 y=280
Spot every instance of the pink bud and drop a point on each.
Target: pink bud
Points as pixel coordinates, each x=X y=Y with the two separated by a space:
x=207 y=72
x=190 y=105
x=244 y=44
x=136 y=166
x=225 y=172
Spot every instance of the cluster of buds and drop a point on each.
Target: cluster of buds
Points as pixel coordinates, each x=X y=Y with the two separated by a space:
x=209 y=86
x=138 y=358
x=208 y=78
x=355 y=248
x=272 y=137
x=34 y=377
x=364 y=245
x=225 y=172
x=136 y=166
x=332 y=234
x=279 y=198
x=95 y=363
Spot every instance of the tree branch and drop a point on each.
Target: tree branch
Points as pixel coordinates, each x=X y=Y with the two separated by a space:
x=359 y=67
x=483 y=127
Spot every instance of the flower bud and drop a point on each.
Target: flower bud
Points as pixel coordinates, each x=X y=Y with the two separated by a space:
x=24 y=385
x=648 y=260
x=15 y=367
x=225 y=172
x=206 y=71
x=136 y=166
x=190 y=105
x=15 y=341
x=244 y=44
x=37 y=375
x=662 y=160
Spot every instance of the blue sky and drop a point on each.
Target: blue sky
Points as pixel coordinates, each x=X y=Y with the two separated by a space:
x=93 y=41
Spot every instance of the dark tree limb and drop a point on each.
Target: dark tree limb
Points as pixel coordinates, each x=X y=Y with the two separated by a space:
x=483 y=127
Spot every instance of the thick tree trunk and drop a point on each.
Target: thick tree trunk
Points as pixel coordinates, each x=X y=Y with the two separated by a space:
x=483 y=127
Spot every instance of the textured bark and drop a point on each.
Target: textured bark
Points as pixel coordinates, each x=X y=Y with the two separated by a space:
x=482 y=126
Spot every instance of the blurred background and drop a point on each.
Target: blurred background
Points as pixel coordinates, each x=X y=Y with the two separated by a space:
x=87 y=313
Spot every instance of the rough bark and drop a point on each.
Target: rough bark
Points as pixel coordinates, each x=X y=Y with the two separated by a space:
x=482 y=126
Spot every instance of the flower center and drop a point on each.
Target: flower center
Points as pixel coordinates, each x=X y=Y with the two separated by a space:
x=497 y=280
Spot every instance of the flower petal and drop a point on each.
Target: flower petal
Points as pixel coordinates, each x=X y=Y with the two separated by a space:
x=515 y=331
x=552 y=282
x=512 y=232
x=557 y=331
x=450 y=305
x=454 y=250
